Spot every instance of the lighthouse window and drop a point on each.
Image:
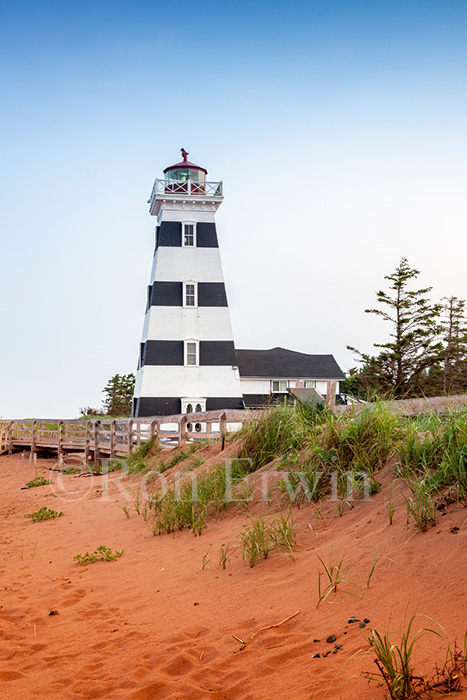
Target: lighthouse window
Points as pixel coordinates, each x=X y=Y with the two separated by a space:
x=189 y=235
x=190 y=294
x=191 y=353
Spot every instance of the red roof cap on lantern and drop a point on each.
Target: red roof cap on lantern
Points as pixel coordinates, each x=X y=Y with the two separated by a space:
x=185 y=163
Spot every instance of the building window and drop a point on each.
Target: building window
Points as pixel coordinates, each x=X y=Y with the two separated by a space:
x=189 y=235
x=191 y=353
x=190 y=294
x=191 y=405
x=310 y=384
x=279 y=386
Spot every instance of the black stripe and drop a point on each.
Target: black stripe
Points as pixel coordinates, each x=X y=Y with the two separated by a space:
x=167 y=294
x=149 y=301
x=157 y=239
x=212 y=353
x=167 y=406
x=157 y=406
x=170 y=234
x=206 y=235
x=142 y=347
x=211 y=294
x=216 y=403
x=163 y=352
x=217 y=352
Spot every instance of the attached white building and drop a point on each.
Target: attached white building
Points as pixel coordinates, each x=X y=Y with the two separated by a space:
x=267 y=375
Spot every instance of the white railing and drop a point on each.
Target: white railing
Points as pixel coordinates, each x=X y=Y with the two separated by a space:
x=188 y=187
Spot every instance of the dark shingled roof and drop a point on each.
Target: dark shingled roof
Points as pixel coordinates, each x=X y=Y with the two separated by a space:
x=282 y=363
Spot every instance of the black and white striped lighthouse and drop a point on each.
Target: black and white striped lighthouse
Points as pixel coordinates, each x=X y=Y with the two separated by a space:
x=187 y=357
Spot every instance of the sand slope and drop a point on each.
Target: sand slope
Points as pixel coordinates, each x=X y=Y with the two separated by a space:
x=155 y=624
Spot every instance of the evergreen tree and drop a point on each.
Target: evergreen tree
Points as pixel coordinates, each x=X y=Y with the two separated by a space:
x=454 y=332
x=119 y=395
x=414 y=347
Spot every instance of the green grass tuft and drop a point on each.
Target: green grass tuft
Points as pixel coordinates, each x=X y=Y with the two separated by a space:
x=44 y=513
x=102 y=553
x=37 y=481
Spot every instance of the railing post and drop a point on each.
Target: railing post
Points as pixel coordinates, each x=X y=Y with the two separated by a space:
x=331 y=396
x=112 y=439
x=138 y=434
x=10 y=437
x=130 y=437
x=60 y=441
x=222 y=428
x=96 y=440
x=87 y=441
x=152 y=428
x=222 y=424
x=182 y=429
x=33 y=437
x=209 y=427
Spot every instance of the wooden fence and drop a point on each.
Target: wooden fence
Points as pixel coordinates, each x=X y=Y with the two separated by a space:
x=120 y=437
x=114 y=438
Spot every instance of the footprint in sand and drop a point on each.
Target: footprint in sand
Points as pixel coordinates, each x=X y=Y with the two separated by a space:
x=10 y=675
x=180 y=665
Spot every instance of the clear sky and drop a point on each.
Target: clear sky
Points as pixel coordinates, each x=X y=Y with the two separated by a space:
x=339 y=128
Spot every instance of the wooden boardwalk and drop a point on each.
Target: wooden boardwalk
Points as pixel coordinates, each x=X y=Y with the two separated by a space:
x=107 y=438
x=415 y=407
x=97 y=439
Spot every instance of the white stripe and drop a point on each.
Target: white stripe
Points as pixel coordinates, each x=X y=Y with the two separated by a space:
x=177 y=323
x=186 y=213
x=185 y=264
x=189 y=381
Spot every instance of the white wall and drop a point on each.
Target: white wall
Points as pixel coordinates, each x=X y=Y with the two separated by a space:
x=263 y=386
x=190 y=381
x=255 y=386
x=176 y=323
x=185 y=264
x=186 y=213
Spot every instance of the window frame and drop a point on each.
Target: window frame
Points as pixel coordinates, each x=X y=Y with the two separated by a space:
x=279 y=381
x=193 y=402
x=186 y=343
x=195 y=295
x=310 y=382
x=184 y=224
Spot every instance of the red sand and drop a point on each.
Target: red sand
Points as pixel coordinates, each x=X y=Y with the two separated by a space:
x=153 y=624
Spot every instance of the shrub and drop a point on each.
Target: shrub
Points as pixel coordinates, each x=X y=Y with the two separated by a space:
x=44 y=513
x=37 y=481
x=102 y=553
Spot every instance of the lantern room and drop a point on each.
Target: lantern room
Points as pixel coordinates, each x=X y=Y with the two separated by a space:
x=178 y=176
x=182 y=181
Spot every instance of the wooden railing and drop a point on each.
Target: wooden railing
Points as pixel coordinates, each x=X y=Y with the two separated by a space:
x=114 y=437
x=121 y=436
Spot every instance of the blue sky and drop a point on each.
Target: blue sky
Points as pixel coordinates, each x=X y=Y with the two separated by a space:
x=338 y=128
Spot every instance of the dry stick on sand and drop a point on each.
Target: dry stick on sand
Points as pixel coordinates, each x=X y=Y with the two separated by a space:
x=269 y=627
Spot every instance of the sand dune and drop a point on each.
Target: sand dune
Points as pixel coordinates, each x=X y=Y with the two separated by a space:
x=154 y=624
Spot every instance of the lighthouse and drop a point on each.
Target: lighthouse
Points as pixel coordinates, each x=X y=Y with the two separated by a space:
x=187 y=358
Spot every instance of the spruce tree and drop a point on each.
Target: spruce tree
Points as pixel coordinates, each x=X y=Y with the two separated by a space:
x=119 y=395
x=454 y=333
x=413 y=347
